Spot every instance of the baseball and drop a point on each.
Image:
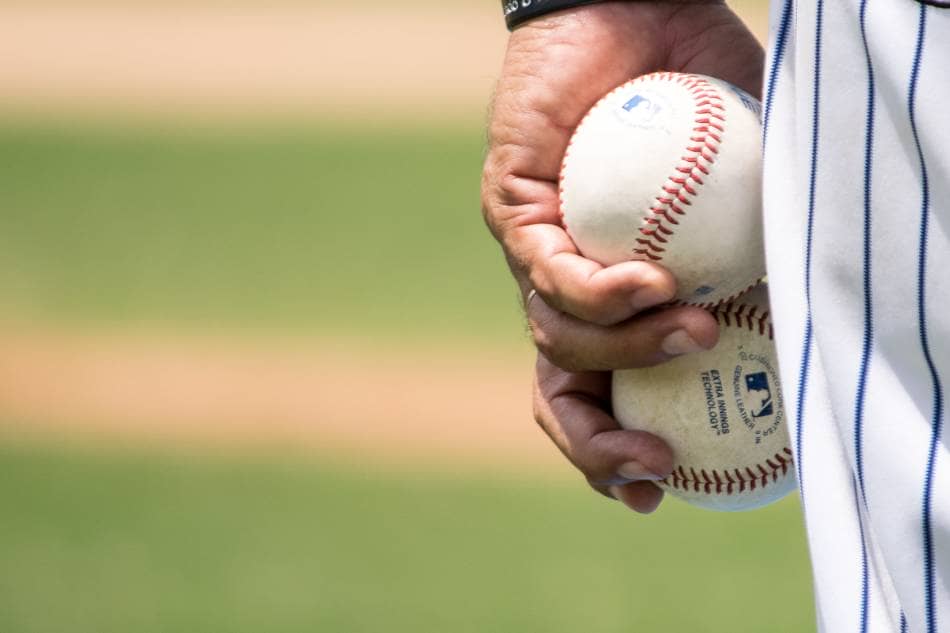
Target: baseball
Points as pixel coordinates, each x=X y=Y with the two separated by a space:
x=720 y=411
x=667 y=168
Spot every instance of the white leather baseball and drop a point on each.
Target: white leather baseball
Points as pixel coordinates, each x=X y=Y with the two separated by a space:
x=720 y=411
x=667 y=168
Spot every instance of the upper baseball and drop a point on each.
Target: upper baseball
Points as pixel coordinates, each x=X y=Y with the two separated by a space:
x=667 y=168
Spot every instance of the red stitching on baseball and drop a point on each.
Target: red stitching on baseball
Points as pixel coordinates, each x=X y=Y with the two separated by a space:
x=727 y=483
x=730 y=314
x=646 y=253
x=649 y=244
x=654 y=235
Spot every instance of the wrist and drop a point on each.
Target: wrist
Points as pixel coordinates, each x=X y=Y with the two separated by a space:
x=518 y=12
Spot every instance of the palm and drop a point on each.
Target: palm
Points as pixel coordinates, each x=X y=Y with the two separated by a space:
x=591 y=54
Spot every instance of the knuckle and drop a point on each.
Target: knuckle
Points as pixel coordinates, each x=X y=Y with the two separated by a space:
x=556 y=347
x=544 y=341
x=501 y=200
x=541 y=282
x=552 y=344
x=490 y=198
x=561 y=356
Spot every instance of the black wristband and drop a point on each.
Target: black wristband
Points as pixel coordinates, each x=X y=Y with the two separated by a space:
x=518 y=11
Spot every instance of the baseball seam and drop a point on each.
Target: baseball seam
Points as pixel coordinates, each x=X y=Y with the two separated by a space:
x=753 y=476
x=745 y=315
x=735 y=481
x=695 y=164
x=713 y=305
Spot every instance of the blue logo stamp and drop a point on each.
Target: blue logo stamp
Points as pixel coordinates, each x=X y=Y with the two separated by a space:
x=757 y=386
x=645 y=107
x=757 y=394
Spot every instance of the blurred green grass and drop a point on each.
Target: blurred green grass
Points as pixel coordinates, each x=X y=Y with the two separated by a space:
x=371 y=233
x=367 y=232
x=94 y=541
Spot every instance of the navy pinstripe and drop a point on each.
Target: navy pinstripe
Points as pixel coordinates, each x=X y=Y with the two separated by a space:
x=868 y=314
x=865 y=594
x=781 y=42
x=809 y=241
x=937 y=415
x=866 y=263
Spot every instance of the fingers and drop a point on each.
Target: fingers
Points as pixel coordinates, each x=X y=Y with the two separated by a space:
x=640 y=496
x=649 y=339
x=713 y=40
x=543 y=256
x=581 y=287
x=572 y=410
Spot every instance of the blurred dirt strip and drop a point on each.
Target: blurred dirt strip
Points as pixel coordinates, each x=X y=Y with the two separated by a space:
x=380 y=62
x=289 y=60
x=336 y=397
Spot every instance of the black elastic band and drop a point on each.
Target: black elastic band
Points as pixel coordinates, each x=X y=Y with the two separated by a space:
x=518 y=11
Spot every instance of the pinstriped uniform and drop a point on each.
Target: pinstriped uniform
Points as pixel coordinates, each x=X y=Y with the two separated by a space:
x=857 y=210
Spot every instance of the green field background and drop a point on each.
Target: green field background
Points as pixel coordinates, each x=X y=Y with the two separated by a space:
x=318 y=232
x=108 y=542
x=368 y=232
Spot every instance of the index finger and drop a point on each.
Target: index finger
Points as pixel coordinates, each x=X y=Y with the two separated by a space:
x=572 y=409
x=545 y=256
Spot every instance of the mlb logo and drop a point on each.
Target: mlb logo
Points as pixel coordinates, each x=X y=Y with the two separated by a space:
x=642 y=106
x=757 y=387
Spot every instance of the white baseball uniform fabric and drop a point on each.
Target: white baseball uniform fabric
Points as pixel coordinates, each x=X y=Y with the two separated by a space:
x=857 y=228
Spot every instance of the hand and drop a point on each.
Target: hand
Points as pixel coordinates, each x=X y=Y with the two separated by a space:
x=572 y=408
x=585 y=316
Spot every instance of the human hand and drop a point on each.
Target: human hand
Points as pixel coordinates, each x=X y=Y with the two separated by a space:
x=587 y=317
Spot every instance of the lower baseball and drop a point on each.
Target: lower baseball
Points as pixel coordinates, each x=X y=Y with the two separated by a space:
x=720 y=411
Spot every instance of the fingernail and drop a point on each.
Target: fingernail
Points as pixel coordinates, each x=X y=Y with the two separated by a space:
x=679 y=343
x=648 y=297
x=635 y=471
